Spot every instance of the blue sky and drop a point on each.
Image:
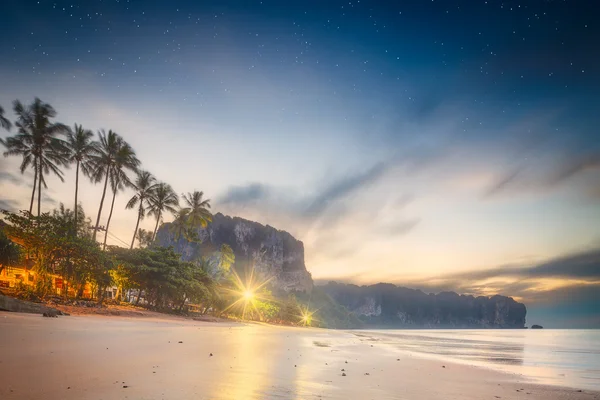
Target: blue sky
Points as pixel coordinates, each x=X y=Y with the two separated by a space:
x=401 y=141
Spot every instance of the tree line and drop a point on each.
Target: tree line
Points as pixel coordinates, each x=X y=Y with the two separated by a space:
x=46 y=147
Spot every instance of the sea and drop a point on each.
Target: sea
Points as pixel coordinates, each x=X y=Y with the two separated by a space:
x=563 y=357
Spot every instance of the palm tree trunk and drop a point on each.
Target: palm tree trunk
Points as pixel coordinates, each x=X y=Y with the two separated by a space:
x=137 y=224
x=33 y=189
x=40 y=178
x=156 y=226
x=112 y=205
x=76 y=188
x=101 y=203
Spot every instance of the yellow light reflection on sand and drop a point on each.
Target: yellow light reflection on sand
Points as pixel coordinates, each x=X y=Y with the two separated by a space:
x=249 y=376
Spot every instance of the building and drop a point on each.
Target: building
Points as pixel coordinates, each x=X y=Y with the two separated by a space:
x=14 y=277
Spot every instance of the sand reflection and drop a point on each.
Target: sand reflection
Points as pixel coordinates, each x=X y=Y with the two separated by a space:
x=251 y=368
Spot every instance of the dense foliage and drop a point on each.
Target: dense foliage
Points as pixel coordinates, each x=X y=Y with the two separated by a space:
x=55 y=243
x=167 y=282
x=10 y=253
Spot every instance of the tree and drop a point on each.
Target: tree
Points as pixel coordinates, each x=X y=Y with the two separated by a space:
x=144 y=185
x=125 y=159
x=81 y=149
x=38 y=143
x=225 y=259
x=163 y=199
x=168 y=282
x=10 y=252
x=49 y=239
x=188 y=219
x=197 y=209
x=180 y=227
x=116 y=185
x=144 y=237
x=4 y=122
x=103 y=163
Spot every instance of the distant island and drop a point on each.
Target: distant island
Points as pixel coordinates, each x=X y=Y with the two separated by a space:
x=537 y=327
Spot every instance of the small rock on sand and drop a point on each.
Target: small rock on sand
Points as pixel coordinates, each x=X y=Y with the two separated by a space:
x=343 y=374
x=50 y=314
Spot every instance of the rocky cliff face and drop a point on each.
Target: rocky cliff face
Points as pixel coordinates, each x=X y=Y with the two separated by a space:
x=387 y=305
x=273 y=254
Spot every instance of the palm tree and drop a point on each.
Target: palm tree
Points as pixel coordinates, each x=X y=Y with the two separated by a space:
x=116 y=185
x=104 y=161
x=144 y=185
x=81 y=148
x=125 y=158
x=179 y=226
x=144 y=237
x=226 y=259
x=4 y=122
x=198 y=214
x=163 y=199
x=23 y=145
x=38 y=143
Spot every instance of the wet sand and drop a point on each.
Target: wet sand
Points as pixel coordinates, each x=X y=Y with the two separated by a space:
x=99 y=357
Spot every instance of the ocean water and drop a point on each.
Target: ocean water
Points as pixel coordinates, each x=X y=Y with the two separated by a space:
x=549 y=356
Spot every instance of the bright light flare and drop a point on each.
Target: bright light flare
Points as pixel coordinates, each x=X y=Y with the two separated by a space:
x=247 y=293
x=306 y=317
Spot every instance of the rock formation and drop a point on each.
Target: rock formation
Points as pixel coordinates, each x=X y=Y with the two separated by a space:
x=272 y=253
x=17 y=305
x=387 y=305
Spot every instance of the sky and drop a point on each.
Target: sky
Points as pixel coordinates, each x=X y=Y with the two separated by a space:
x=441 y=145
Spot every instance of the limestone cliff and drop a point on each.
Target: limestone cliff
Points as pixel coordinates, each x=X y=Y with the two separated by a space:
x=273 y=253
x=387 y=305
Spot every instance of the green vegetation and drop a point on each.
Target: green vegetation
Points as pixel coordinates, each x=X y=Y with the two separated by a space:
x=163 y=199
x=61 y=245
x=10 y=253
x=39 y=143
x=144 y=186
x=81 y=148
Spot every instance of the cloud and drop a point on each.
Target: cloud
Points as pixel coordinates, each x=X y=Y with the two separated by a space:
x=399 y=228
x=345 y=187
x=12 y=178
x=10 y=205
x=577 y=165
x=48 y=199
x=241 y=195
x=563 y=168
x=583 y=265
x=309 y=207
x=552 y=281
x=503 y=182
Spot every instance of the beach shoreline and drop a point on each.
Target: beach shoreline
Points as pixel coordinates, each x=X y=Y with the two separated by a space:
x=118 y=357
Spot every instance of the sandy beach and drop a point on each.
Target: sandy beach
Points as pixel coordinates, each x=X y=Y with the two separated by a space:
x=101 y=357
